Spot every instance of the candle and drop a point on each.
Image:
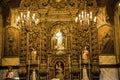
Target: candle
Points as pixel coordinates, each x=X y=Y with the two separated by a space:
x=21 y=14
x=90 y=15
x=18 y=19
x=76 y=19
x=95 y=19
x=79 y=16
x=80 y=21
x=28 y=14
x=24 y=16
x=85 y=14
x=33 y=17
x=82 y=14
x=88 y=18
x=36 y=22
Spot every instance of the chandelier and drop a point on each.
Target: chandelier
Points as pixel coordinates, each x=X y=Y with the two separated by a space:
x=85 y=15
x=27 y=19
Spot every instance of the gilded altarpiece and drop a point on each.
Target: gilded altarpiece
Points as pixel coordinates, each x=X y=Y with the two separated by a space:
x=58 y=42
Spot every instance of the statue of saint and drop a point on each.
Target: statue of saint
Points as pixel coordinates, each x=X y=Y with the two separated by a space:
x=33 y=55
x=59 y=71
x=59 y=38
x=85 y=55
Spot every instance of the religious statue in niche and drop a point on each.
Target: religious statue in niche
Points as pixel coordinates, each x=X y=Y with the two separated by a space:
x=59 y=70
x=85 y=55
x=11 y=42
x=59 y=40
x=34 y=55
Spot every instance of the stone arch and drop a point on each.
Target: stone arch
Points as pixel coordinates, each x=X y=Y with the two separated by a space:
x=58 y=59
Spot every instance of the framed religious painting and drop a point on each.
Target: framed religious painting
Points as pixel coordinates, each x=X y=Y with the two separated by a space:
x=106 y=39
x=11 y=42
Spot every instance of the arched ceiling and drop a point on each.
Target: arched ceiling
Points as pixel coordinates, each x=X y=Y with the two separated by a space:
x=110 y=5
x=100 y=3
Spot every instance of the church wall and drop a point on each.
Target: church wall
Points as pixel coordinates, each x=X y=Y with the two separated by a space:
x=108 y=70
x=6 y=61
x=107 y=59
x=117 y=34
x=109 y=74
x=0 y=32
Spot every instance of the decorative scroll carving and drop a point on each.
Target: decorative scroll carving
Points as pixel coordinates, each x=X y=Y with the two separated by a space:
x=23 y=47
x=58 y=3
x=22 y=71
x=29 y=4
x=41 y=4
x=34 y=39
x=95 y=51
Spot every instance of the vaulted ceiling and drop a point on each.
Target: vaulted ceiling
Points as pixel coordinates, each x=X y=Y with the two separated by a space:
x=100 y=3
x=110 y=5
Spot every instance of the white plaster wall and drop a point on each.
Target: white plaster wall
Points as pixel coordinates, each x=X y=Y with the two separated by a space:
x=109 y=74
x=101 y=17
